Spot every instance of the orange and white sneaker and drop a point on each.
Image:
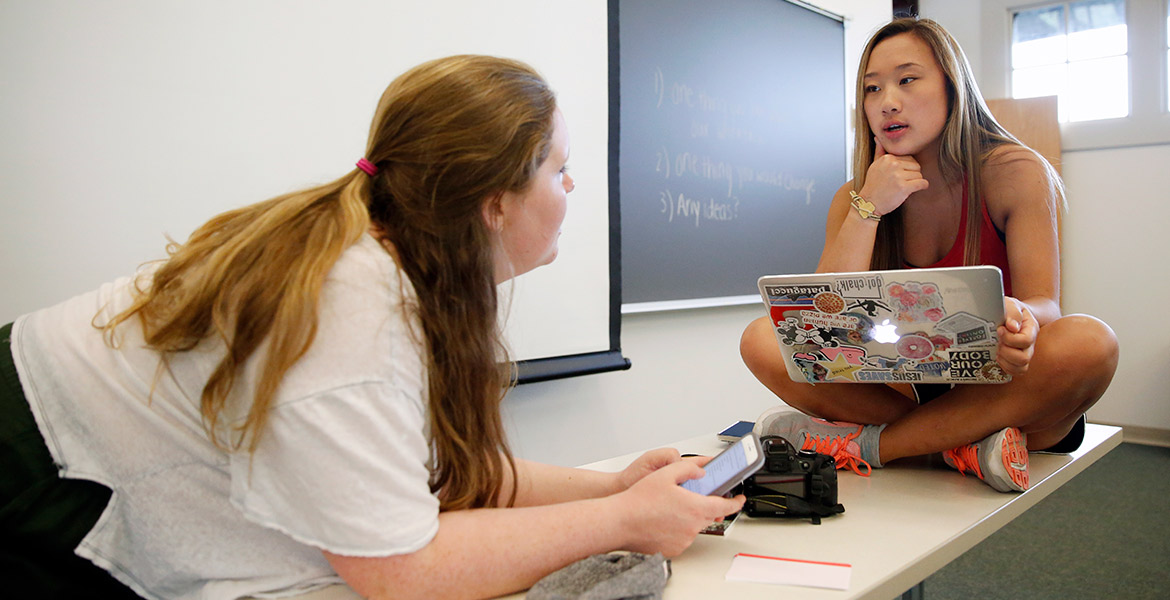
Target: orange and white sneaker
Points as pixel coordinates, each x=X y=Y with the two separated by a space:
x=1000 y=460
x=852 y=446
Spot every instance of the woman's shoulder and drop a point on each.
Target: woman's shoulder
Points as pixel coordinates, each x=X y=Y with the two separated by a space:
x=366 y=328
x=1013 y=160
x=1015 y=176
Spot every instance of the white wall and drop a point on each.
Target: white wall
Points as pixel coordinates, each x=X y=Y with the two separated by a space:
x=1115 y=239
x=1116 y=246
x=687 y=379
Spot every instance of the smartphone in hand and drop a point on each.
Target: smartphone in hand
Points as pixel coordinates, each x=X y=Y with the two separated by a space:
x=729 y=467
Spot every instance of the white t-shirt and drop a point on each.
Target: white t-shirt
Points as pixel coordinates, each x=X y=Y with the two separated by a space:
x=344 y=463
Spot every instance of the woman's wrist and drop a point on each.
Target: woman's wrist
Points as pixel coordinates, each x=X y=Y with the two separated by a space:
x=863 y=208
x=617 y=510
x=618 y=483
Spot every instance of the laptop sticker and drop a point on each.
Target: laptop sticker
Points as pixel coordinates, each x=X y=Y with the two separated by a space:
x=829 y=325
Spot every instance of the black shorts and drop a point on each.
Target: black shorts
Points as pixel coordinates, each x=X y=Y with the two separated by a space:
x=42 y=516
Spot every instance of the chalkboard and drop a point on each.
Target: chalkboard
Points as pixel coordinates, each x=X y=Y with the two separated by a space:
x=732 y=142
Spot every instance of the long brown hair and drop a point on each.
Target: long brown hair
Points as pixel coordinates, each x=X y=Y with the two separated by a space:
x=969 y=136
x=447 y=136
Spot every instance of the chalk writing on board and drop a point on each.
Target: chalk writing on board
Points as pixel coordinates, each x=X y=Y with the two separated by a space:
x=731 y=143
x=730 y=123
x=687 y=209
x=703 y=167
x=683 y=94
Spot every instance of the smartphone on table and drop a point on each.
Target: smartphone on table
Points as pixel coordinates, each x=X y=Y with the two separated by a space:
x=733 y=433
x=729 y=467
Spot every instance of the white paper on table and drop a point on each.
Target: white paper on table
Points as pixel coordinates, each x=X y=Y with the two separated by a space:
x=789 y=571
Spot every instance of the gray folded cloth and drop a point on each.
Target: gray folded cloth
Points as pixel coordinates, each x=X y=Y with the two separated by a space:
x=613 y=576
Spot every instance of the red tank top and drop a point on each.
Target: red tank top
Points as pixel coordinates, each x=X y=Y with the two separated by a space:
x=992 y=249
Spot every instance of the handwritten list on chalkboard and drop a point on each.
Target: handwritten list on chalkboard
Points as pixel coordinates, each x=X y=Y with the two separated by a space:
x=731 y=144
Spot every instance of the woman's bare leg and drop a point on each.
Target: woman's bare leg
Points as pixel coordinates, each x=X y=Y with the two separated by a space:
x=851 y=402
x=1074 y=362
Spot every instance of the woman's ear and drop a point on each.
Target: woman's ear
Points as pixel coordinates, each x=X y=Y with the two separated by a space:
x=493 y=212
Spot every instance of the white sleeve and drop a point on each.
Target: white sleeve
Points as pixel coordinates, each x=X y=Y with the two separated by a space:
x=344 y=470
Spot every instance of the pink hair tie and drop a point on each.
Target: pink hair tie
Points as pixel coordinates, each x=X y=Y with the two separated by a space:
x=370 y=168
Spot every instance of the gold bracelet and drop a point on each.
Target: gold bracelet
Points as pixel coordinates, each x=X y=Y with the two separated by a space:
x=864 y=207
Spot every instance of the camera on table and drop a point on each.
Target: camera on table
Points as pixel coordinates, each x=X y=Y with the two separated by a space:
x=792 y=483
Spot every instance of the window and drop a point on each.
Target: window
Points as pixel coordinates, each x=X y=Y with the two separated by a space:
x=1139 y=92
x=1077 y=51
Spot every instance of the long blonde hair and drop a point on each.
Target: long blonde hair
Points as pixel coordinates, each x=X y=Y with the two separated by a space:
x=969 y=136
x=447 y=136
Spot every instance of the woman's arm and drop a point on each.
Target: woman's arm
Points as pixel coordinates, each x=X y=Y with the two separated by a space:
x=489 y=552
x=1023 y=203
x=542 y=484
x=849 y=237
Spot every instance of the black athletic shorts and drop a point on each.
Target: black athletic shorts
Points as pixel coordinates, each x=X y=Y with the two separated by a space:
x=42 y=516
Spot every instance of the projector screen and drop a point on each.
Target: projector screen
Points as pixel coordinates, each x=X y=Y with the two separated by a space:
x=127 y=121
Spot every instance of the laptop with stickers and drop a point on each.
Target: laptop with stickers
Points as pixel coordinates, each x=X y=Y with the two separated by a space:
x=902 y=326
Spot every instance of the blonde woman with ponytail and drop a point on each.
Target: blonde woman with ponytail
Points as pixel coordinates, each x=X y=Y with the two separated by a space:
x=939 y=183
x=307 y=390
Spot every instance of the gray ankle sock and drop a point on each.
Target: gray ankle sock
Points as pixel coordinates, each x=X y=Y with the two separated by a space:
x=869 y=440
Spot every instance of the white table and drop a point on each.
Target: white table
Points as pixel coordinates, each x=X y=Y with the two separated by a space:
x=900 y=525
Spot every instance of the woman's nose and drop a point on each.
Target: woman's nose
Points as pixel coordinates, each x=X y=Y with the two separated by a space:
x=568 y=182
x=890 y=103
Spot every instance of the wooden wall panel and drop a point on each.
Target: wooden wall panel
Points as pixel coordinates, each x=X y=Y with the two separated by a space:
x=1033 y=121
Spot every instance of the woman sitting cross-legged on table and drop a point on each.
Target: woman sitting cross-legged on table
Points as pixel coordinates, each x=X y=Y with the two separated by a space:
x=938 y=182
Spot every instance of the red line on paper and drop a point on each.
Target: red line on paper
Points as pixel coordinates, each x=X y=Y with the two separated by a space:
x=811 y=562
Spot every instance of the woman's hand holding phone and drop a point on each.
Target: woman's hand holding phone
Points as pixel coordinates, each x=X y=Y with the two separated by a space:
x=662 y=516
x=646 y=464
x=729 y=467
